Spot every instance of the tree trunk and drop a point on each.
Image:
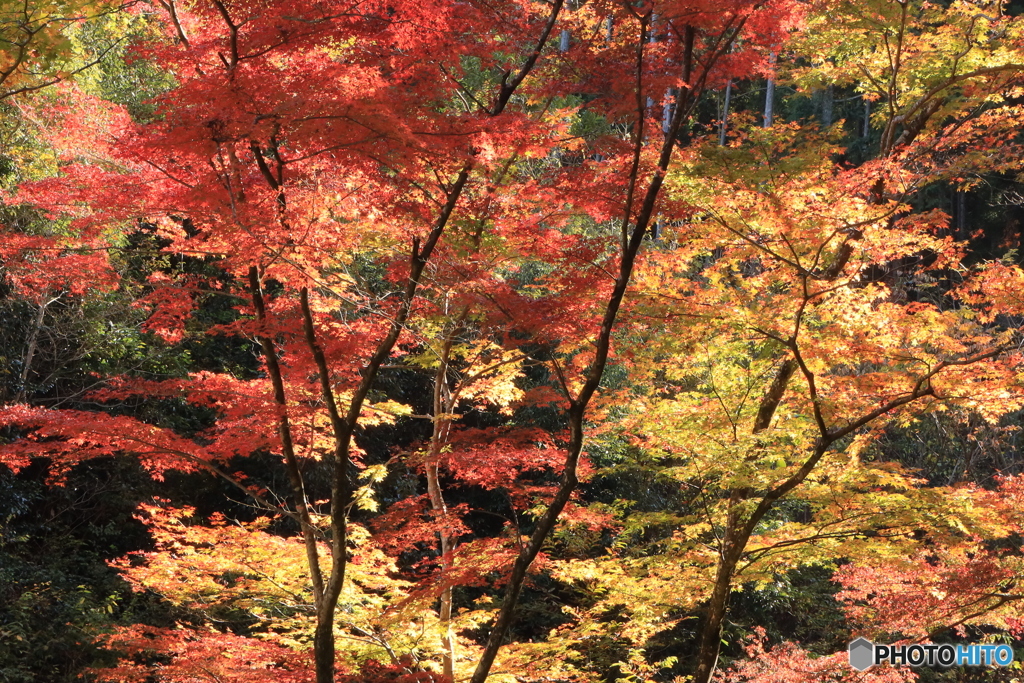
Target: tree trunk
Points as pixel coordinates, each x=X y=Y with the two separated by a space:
x=737 y=533
x=344 y=428
x=711 y=635
x=827 y=105
x=960 y=213
x=667 y=110
x=723 y=127
x=769 y=96
x=33 y=344
x=443 y=405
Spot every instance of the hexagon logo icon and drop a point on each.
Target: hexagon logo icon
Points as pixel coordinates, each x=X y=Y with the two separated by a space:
x=862 y=654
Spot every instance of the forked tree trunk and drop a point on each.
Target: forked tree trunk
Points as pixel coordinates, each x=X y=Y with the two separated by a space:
x=711 y=635
x=327 y=585
x=32 y=346
x=345 y=425
x=344 y=428
x=740 y=526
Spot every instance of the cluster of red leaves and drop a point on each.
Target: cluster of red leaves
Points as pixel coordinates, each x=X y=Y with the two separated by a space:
x=950 y=584
x=998 y=289
x=789 y=663
x=180 y=655
x=37 y=266
x=492 y=460
x=410 y=521
x=69 y=437
x=402 y=672
x=171 y=306
x=919 y=595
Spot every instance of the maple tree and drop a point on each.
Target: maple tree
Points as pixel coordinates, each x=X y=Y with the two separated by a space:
x=37 y=47
x=257 y=206
x=805 y=250
x=513 y=199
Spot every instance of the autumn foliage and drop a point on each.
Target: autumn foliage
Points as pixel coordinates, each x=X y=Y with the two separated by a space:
x=509 y=308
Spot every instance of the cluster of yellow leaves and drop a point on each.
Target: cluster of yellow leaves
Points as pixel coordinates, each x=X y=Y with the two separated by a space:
x=224 y=567
x=37 y=46
x=234 y=572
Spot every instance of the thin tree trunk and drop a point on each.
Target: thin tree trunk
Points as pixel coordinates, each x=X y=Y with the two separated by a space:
x=284 y=432
x=32 y=346
x=344 y=430
x=960 y=213
x=667 y=110
x=325 y=594
x=737 y=533
x=739 y=529
x=733 y=544
x=723 y=127
x=769 y=96
x=866 y=130
x=651 y=38
x=443 y=407
x=447 y=545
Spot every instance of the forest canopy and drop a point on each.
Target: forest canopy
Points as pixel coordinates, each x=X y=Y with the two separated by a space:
x=590 y=341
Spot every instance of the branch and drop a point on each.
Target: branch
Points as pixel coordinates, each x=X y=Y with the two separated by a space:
x=773 y=397
x=508 y=87
x=287 y=446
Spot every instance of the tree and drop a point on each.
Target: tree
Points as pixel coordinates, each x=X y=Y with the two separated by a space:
x=797 y=313
x=400 y=185
x=36 y=49
x=274 y=148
